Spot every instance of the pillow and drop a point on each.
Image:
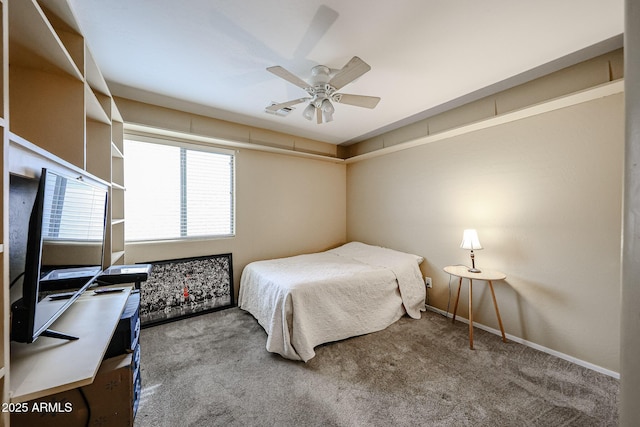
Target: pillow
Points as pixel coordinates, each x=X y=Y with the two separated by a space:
x=359 y=249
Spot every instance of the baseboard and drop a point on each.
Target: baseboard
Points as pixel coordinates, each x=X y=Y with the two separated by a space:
x=531 y=344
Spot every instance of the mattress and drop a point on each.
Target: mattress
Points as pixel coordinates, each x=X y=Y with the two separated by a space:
x=307 y=300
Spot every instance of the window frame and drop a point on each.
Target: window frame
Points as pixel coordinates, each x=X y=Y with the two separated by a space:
x=188 y=145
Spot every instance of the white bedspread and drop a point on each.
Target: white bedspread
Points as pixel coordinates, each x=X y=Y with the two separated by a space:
x=307 y=300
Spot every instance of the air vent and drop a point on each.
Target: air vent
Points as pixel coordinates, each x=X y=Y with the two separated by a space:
x=282 y=112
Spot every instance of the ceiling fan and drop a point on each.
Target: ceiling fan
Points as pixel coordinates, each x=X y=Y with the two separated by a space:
x=323 y=88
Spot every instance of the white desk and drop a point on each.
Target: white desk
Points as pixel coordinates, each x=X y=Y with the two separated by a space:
x=486 y=275
x=48 y=366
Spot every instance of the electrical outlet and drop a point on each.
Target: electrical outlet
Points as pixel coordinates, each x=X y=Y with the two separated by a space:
x=427 y=281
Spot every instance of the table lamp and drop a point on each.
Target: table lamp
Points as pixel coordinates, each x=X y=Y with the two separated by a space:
x=470 y=241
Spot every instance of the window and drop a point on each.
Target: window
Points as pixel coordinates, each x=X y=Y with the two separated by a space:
x=177 y=191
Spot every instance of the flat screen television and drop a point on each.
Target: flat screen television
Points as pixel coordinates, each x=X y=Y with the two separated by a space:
x=64 y=252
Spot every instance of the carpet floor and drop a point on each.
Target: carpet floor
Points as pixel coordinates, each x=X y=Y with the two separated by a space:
x=213 y=370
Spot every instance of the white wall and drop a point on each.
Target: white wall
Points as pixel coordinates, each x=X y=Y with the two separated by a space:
x=545 y=195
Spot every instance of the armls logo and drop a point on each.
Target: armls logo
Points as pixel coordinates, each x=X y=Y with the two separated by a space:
x=51 y=407
x=41 y=407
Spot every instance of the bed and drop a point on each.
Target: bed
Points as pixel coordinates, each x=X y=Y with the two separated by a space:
x=307 y=300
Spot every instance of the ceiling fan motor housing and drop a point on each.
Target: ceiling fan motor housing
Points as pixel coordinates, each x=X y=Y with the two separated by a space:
x=323 y=87
x=320 y=74
x=320 y=90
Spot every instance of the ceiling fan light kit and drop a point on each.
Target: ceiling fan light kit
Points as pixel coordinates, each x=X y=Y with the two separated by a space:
x=327 y=110
x=309 y=112
x=323 y=89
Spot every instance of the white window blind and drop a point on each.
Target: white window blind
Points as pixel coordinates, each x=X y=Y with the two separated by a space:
x=177 y=192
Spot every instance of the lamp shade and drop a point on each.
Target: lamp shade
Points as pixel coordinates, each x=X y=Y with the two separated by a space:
x=309 y=111
x=327 y=110
x=470 y=240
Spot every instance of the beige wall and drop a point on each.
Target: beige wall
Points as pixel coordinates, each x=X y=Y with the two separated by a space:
x=544 y=190
x=285 y=205
x=161 y=118
x=545 y=195
x=582 y=76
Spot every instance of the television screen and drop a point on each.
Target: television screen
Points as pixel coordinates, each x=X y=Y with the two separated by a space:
x=64 y=251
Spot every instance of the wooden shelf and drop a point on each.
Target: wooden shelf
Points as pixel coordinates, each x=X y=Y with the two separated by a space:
x=50 y=365
x=47 y=108
x=117 y=257
x=33 y=39
x=95 y=105
x=69 y=35
x=115 y=151
x=58 y=114
x=94 y=76
x=27 y=159
x=98 y=149
x=61 y=11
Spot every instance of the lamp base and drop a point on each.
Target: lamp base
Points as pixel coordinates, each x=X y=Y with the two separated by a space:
x=473 y=268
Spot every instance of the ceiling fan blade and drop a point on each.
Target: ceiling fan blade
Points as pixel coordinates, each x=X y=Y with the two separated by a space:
x=288 y=76
x=357 y=100
x=276 y=107
x=318 y=115
x=354 y=69
x=320 y=24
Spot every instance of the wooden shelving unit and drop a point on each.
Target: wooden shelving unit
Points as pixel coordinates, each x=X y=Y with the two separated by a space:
x=56 y=111
x=4 y=214
x=116 y=196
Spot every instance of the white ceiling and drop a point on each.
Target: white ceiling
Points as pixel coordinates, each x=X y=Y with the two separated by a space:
x=210 y=56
